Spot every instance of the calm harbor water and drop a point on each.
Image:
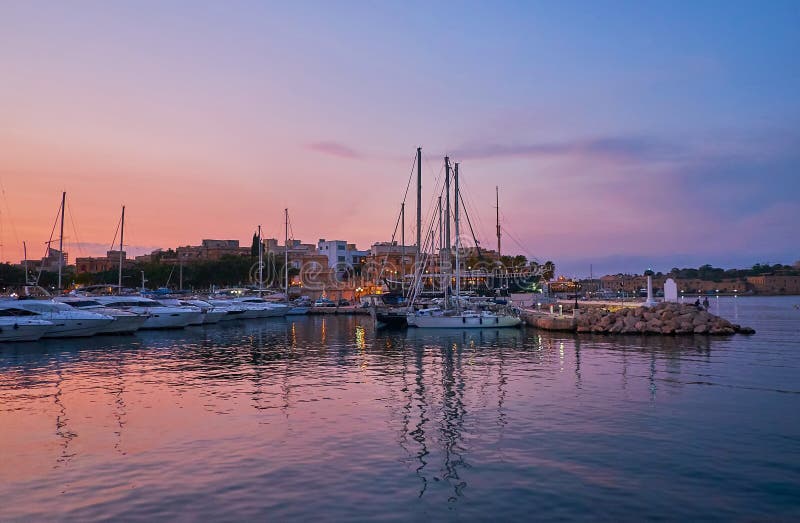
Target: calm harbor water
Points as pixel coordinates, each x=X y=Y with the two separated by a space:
x=324 y=418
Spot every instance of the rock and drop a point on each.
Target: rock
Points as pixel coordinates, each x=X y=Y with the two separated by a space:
x=701 y=329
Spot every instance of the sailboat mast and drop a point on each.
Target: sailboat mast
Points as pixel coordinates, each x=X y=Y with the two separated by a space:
x=497 y=206
x=446 y=251
x=458 y=242
x=61 y=240
x=403 y=248
x=25 y=254
x=121 y=236
x=286 y=251
x=260 y=263
x=439 y=209
x=419 y=201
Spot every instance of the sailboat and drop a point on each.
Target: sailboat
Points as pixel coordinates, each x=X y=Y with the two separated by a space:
x=458 y=317
x=296 y=309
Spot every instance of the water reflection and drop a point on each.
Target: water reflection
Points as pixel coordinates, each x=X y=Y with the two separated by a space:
x=62 y=429
x=440 y=407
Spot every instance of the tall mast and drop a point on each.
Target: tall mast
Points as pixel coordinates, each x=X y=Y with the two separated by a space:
x=447 y=203
x=446 y=250
x=403 y=248
x=260 y=263
x=419 y=201
x=458 y=242
x=497 y=200
x=286 y=251
x=439 y=208
x=25 y=254
x=121 y=235
x=61 y=240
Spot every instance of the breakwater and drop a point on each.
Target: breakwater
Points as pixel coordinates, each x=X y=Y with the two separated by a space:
x=662 y=319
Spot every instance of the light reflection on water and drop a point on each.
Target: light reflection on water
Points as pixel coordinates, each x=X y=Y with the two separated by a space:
x=324 y=417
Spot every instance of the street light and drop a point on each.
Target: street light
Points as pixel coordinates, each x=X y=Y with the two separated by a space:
x=577 y=286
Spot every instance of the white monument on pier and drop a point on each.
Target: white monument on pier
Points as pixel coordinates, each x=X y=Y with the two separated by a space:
x=670 y=290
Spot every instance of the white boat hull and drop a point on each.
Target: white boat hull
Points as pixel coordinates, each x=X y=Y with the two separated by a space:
x=168 y=320
x=126 y=324
x=214 y=316
x=277 y=310
x=23 y=329
x=233 y=314
x=74 y=327
x=297 y=311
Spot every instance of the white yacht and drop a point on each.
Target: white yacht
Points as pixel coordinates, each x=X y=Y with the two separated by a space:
x=67 y=321
x=211 y=314
x=125 y=322
x=21 y=325
x=197 y=319
x=268 y=309
x=160 y=316
x=256 y=307
x=232 y=310
x=437 y=318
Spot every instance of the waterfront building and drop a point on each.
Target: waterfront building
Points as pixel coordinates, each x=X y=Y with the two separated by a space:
x=53 y=259
x=390 y=259
x=93 y=264
x=342 y=256
x=774 y=284
x=211 y=250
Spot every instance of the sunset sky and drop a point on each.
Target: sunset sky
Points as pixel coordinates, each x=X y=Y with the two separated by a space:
x=622 y=134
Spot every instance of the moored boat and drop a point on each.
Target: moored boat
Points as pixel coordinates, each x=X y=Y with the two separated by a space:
x=160 y=316
x=21 y=325
x=68 y=322
x=125 y=322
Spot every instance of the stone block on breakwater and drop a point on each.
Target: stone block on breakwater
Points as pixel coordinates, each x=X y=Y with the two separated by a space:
x=664 y=319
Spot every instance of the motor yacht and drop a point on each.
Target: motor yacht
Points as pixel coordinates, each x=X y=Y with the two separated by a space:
x=125 y=322
x=197 y=319
x=257 y=307
x=68 y=322
x=232 y=310
x=160 y=316
x=21 y=325
x=211 y=314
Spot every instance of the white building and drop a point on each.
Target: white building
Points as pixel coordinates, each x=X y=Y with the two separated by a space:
x=341 y=255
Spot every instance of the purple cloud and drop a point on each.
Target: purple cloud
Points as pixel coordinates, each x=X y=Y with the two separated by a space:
x=335 y=149
x=617 y=148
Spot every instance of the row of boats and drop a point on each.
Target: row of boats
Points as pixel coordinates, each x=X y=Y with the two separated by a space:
x=74 y=316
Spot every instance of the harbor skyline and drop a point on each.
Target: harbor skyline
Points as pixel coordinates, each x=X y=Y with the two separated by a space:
x=643 y=137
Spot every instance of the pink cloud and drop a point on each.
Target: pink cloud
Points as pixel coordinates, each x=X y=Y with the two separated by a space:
x=335 y=149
